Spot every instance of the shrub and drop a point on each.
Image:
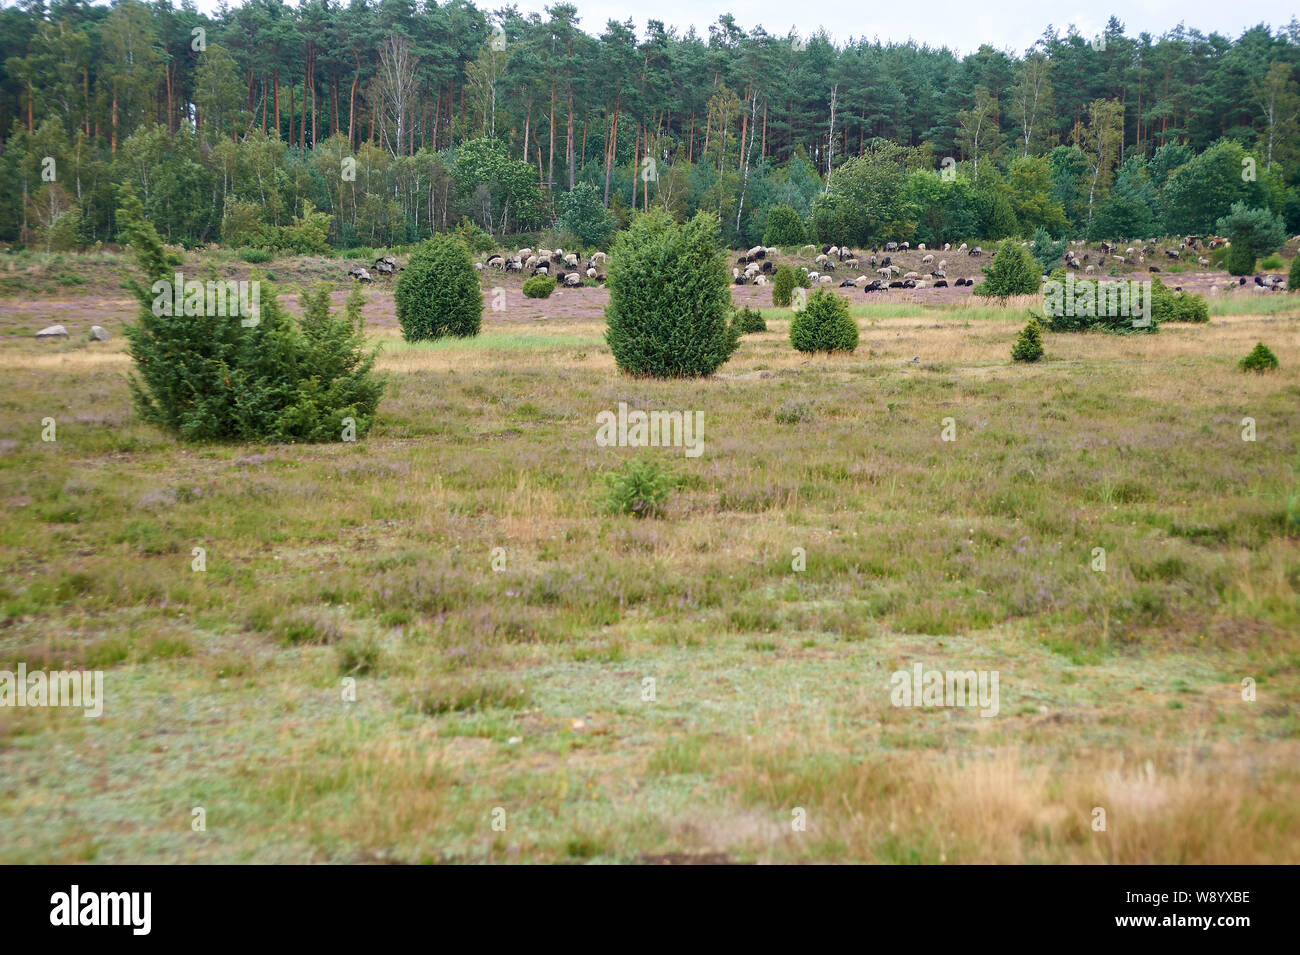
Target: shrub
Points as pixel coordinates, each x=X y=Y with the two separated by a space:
x=640 y=488
x=255 y=256
x=1260 y=230
x=793 y=412
x=824 y=324
x=539 y=286
x=786 y=280
x=473 y=237
x=1046 y=252
x=1241 y=257
x=1260 y=359
x=1170 y=306
x=1012 y=272
x=1029 y=346
x=209 y=378
x=438 y=292
x=750 y=320
x=1271 y=263
x=583 y=214
x=784 y=227
x=669 y=298
x=1293 y=277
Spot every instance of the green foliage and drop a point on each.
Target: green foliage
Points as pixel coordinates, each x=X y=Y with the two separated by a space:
x=669 y=298
x=1241 y=258
x=1046 y=252
x=824 y=324
x=1012 y=272
x=750 y=320
x=1272 y=263
x=1293 y=276
x=784 y=227
x=1029 y=345
x=792 y=411
x=786 y=280
x=640 y=488
x=583 y=215
x=1260 y=359
x=1170 y=306
x=255 y=256
x=209 y=378
x=1206 y=187
x=1256 y=232
x=438 y=292
x=539 y=286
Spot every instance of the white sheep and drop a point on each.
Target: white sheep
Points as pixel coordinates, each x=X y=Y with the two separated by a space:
x=927 y=259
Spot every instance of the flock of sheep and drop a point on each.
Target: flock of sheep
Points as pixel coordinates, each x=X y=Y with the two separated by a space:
x=568 y=266
x=757 y=267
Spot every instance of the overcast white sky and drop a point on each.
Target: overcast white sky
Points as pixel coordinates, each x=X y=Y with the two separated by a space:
x=961 y=25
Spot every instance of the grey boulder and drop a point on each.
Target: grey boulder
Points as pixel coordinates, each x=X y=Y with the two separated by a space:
x=54 y=331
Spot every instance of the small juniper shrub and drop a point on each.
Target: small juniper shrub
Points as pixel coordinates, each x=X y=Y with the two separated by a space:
x=824 y=324
x=786 y=280
x=539 y=286
x=750 y=320
x=438 y=293
x=1029 y=346
x=640 y=488
x=1260 y=359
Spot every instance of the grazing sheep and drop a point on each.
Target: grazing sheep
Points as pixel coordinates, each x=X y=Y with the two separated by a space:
x=947 y=246
x=886 y=260
x=873 y=262
x=812 y=276
x=825 y=280
x=1129 y=250
x=542 y=269
x=962 y=247
x=873 y=286
x=847 y=283
x=598 y=258
x=1172 y=254
x=760 y=279
x=1089 y=269
x=861 y=281
x=757 y=252
x=525 y=253
x=478 y=267
x=895 y=284
x=938 y=274
x=920 y=247
x=976 y=251
x=821 y=259
x=530 y=263
x=920 y=283
x=891 y=246
x=543 y=255
x=1072 y=264
x=912 y=275
x=941 y=284
x=833 y=250
x=829 y=266
x=572 y=280
x=1152 y=268
x=904 y=246
x=851 y=263
x=513 y=264
x=883 y=271
x=591 y=273
x=943 y=263
x=571 y=260
x=927 y=259
x=497 y=262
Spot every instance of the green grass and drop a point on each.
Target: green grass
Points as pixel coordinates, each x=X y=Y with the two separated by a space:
x=628 y=689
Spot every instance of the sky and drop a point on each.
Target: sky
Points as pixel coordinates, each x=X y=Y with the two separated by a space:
x=961 y=25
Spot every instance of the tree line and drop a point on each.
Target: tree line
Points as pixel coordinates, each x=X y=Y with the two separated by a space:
x=330 y=124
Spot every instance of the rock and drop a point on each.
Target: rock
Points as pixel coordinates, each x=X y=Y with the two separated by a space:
x=54 y=331
x=99 y=333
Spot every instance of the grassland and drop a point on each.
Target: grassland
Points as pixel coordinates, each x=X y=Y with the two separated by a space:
x=521 y=688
